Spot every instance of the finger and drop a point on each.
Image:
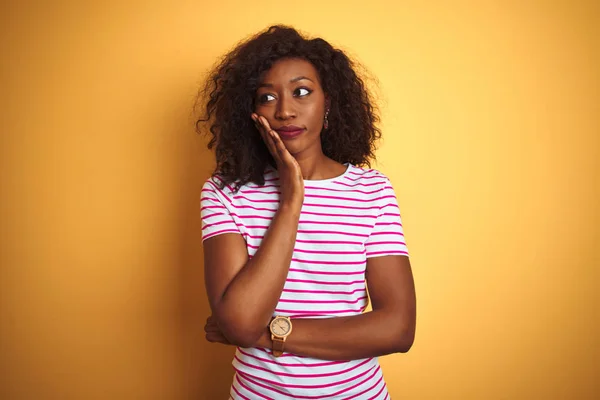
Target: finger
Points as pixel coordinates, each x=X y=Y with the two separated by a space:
x=211 y=325
x=282 y=151
x=214 y=338
x=268 y=136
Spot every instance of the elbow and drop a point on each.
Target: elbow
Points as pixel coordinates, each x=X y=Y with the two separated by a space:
x=404 y=340
x=404 y=345
x=243 y=338
x=240 y=332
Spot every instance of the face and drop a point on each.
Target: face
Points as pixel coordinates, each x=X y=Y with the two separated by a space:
x=291 y=98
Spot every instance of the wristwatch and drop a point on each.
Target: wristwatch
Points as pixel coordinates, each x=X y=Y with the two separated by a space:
x=280 y=328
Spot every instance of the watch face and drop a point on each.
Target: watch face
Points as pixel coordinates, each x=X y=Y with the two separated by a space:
x=280 y=327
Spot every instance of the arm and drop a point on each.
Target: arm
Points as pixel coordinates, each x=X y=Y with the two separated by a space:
x=243 y=293
x=389 y=328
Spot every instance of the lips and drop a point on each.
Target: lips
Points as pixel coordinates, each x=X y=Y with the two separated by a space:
x=289 y=131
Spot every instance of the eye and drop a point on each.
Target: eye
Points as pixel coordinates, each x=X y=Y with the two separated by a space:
x=265 y=98
x=301 y=92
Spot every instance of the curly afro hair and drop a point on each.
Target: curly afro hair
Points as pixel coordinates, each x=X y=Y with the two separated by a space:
x=229 y=95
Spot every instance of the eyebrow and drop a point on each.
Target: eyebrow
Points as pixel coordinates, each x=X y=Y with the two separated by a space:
x=296 y=79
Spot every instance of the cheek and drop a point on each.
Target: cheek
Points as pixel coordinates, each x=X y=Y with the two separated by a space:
x=316 y=113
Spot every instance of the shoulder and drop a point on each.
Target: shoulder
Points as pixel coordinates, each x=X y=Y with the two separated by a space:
x=215 y=190
x=371 y=175
x=216 y=183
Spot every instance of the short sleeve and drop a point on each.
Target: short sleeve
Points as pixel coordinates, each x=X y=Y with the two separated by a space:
x=387 y=236
x=215 y=206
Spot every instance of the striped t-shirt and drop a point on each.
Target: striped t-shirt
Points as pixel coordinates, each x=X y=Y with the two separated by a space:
x=344 y=221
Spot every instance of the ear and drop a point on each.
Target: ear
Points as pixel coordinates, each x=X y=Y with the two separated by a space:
x=327 y=102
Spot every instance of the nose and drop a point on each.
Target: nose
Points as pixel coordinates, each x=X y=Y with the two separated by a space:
x=285 y=108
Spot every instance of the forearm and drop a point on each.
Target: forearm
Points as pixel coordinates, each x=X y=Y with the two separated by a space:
x=249 y=300
x=371 y=334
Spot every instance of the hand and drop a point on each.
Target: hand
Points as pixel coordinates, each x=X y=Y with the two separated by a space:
x=213 y=333
x=290 y=175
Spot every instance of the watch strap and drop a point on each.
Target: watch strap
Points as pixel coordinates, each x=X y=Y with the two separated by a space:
x=278 y=344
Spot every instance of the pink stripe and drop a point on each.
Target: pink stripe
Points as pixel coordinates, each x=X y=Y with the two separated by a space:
x=323 y=364
x=390 y=253
x=361 y=184
x=345 y=190
x=335 y=223
x=246 y=377
x=340 y=206
x=390 y=205
x=391 y=214
x=364 y=171
x=323 y=291
x=316 y=196
x=323 y=301
x=331 y=233
x=238 y=393
x=328 y=252
x=217 y=223
x=281 y=356
x=363 y=177
x=259 y=192
x=387 y=223
x=255 y=237
x=250 y=390
x=378 y=243
x=388 y=233
x=323 y=282
x=328 y=262
x=318 y=251
x=256 y=200
x=312 y=241
x=253 y=186
x=224 y=183
x=257 y=208
x=270 y=217
x=219 y=190
x=204 y=199
x=336 y=383
x=326 y=242
x=357 y=395
x=209 y=207
x=339 y=215
x=314 y=316
x=296 y=375
x=378 y=393
x=307 y=271
x=319 y=312
x=213 y=215
x=220 y=232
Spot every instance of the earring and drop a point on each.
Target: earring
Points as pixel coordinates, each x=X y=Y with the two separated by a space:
x=326 y=122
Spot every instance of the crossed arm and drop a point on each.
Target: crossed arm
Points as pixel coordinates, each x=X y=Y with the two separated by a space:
x=243 y=294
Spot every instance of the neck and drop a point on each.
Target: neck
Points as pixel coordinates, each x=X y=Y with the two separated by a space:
x=318 y=166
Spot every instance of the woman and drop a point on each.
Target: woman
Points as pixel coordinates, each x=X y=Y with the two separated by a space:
x=293 y=226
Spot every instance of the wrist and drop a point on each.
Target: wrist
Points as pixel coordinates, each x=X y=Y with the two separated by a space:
x=291 y=209
x=265 y=339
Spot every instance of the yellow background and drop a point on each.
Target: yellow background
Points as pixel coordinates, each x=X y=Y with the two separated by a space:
x=491 y=124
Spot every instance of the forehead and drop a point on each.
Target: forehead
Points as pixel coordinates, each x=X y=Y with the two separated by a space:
x=287 y=69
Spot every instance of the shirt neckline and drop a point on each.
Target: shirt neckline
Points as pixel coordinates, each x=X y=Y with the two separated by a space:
x=321 y=182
